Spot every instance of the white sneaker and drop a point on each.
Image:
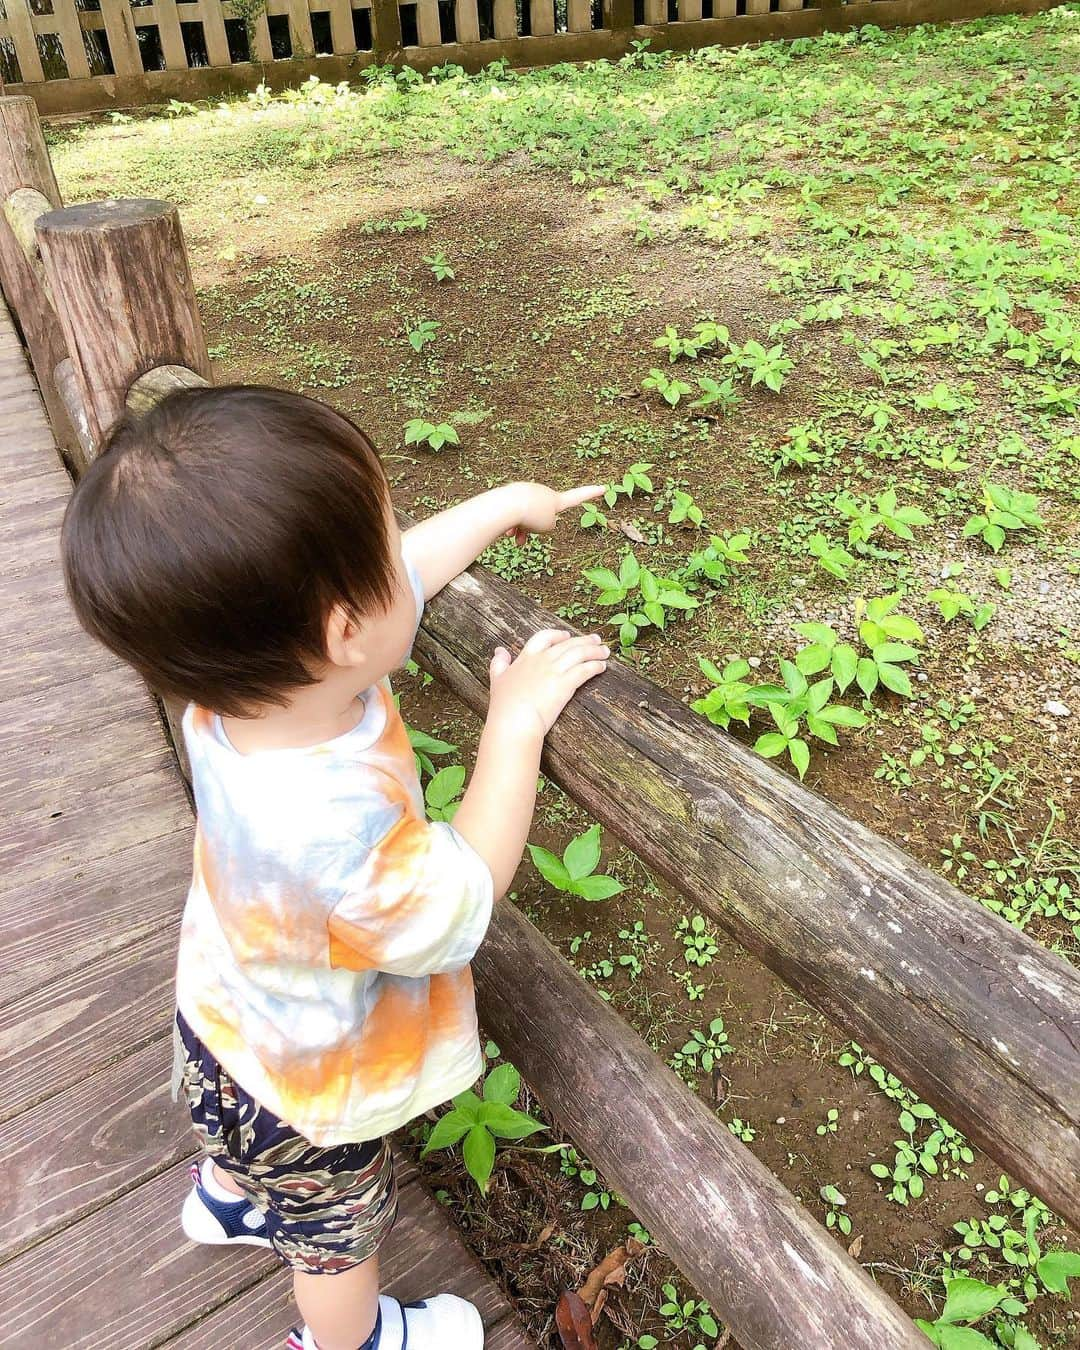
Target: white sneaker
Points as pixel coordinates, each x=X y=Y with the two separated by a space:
x=444 y=1322
x=209 y=1218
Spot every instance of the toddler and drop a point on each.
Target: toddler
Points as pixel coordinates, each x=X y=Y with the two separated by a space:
x=238 y=547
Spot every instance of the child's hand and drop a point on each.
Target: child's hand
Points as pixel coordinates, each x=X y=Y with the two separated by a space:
x=540 y=507
x=527 y=694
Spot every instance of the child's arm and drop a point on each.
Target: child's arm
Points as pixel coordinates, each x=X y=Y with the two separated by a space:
x=421 y=900
x=441 y=547
x=527 y=696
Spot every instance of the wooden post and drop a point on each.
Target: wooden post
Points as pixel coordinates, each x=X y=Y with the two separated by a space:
x=25 y=166
x=119 y=272
x=770 y=1270
x=386 y=32
x=977 y=1018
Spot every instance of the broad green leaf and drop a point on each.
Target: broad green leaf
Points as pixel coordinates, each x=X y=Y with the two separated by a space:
x=963 y=1338
x=470 y=1104
x=445 y=786
x=1056 y=1269
x=596 y=888
x=818 y=633
x=602 y=577
x=845 y=661
x=479 y=1154
x=813 y=659
x=895 y=651
x=550 y=867
x=800 y=756
x=895 y=678
x=582 y=854
x=502 y=1085
x=771 y=743
x=506 y=1123
x=842 y=716
x=966 y=1300
x=448 y=1130
x=866 y=674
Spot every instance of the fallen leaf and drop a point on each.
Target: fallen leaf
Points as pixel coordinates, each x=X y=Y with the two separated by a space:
x=632 y=532
x=856 y=1247
x=573 y=1323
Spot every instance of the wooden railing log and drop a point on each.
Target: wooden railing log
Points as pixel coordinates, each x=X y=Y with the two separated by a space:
x=125 y=299
x=768 y=1268
x=25 y=167
x=977 y=1018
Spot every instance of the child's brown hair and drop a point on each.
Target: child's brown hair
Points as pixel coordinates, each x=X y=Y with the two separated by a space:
x=208 y=543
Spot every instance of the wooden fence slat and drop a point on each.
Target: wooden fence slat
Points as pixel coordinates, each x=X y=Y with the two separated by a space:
x=579 y=16
x=70 y=32
x=656 y=11
x=259 y=36
x=542 y=17
x=213 y=26
x=120 y=32
x=172 y=39
x=24 y=38
x=975 y=1017
x=342 y=33
x=467 y=20
x=504 y=19
x=428 y=26
x=301 y=37
x=689 y=10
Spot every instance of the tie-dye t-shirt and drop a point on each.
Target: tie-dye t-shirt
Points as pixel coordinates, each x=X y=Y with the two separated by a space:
x=325 y=943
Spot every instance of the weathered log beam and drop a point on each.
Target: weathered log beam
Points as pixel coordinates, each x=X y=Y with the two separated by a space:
x=768 y=1268
x=977 y=1018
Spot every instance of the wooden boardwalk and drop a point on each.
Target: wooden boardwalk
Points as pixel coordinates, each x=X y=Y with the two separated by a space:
x=95 y=847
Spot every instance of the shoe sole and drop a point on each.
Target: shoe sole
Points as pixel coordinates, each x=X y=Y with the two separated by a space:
x=200 y=1226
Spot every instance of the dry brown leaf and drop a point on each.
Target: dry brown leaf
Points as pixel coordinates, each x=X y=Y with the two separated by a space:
x=855 y=1249
x=632 y=532
x=544 y=1234
x=573 y=1323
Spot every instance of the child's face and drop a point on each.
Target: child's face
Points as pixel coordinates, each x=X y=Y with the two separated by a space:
x=380 y=642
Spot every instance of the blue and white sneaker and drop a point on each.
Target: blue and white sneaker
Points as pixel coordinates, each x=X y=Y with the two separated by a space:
x=444 y=1322
x=206 y=1217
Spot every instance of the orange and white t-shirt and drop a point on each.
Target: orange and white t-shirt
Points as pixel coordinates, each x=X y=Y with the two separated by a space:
x=326 y=938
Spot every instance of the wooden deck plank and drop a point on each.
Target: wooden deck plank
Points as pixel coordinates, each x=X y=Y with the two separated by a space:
x=88 y=1144
x=53 y=1037
x=95 y=858
x=62 y=922
x=70 y=734
x=96 y=822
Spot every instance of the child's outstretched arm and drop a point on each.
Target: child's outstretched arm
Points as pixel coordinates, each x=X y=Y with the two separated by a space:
x=527 y=695
x=441 y=547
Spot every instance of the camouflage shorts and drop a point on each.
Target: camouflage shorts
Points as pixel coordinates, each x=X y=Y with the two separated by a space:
x=326 y=1209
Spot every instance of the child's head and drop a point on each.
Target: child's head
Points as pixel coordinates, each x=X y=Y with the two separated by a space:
x=236 y=543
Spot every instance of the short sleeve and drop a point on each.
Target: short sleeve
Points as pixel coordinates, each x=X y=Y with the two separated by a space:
x=416 y=584
x=419 y=905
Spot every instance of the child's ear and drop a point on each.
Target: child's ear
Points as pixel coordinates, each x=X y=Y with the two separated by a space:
x=342 y=632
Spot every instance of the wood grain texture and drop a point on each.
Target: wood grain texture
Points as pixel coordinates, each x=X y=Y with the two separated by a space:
x=68 y=920
x=89 y=1144
x=53 y=1037
x=774 y=1274
x=125 y=298
x=978 y=1019
x=25 y=165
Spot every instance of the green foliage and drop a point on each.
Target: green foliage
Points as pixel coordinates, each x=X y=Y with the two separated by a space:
x=421 y=333
x=952 y=603
x=479 y=1121
x=1006 y=510
x=729 y=699
x=699 y=945
x=831 y=557
x=866 y=517
x=888 y=635
x=720 y=558
x=635 y=479
x=575 y=873
x=795 y=702
x=702 y=1051
x=434 y=434
x=440 y=265
x=443 y=793
x=835 y=1201
x=647 y=599
x=672 y=391
x=769 y=367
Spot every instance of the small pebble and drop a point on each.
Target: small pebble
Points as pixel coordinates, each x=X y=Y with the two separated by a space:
x=781 y=1120
x=754 y=661
x=1056 y=708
